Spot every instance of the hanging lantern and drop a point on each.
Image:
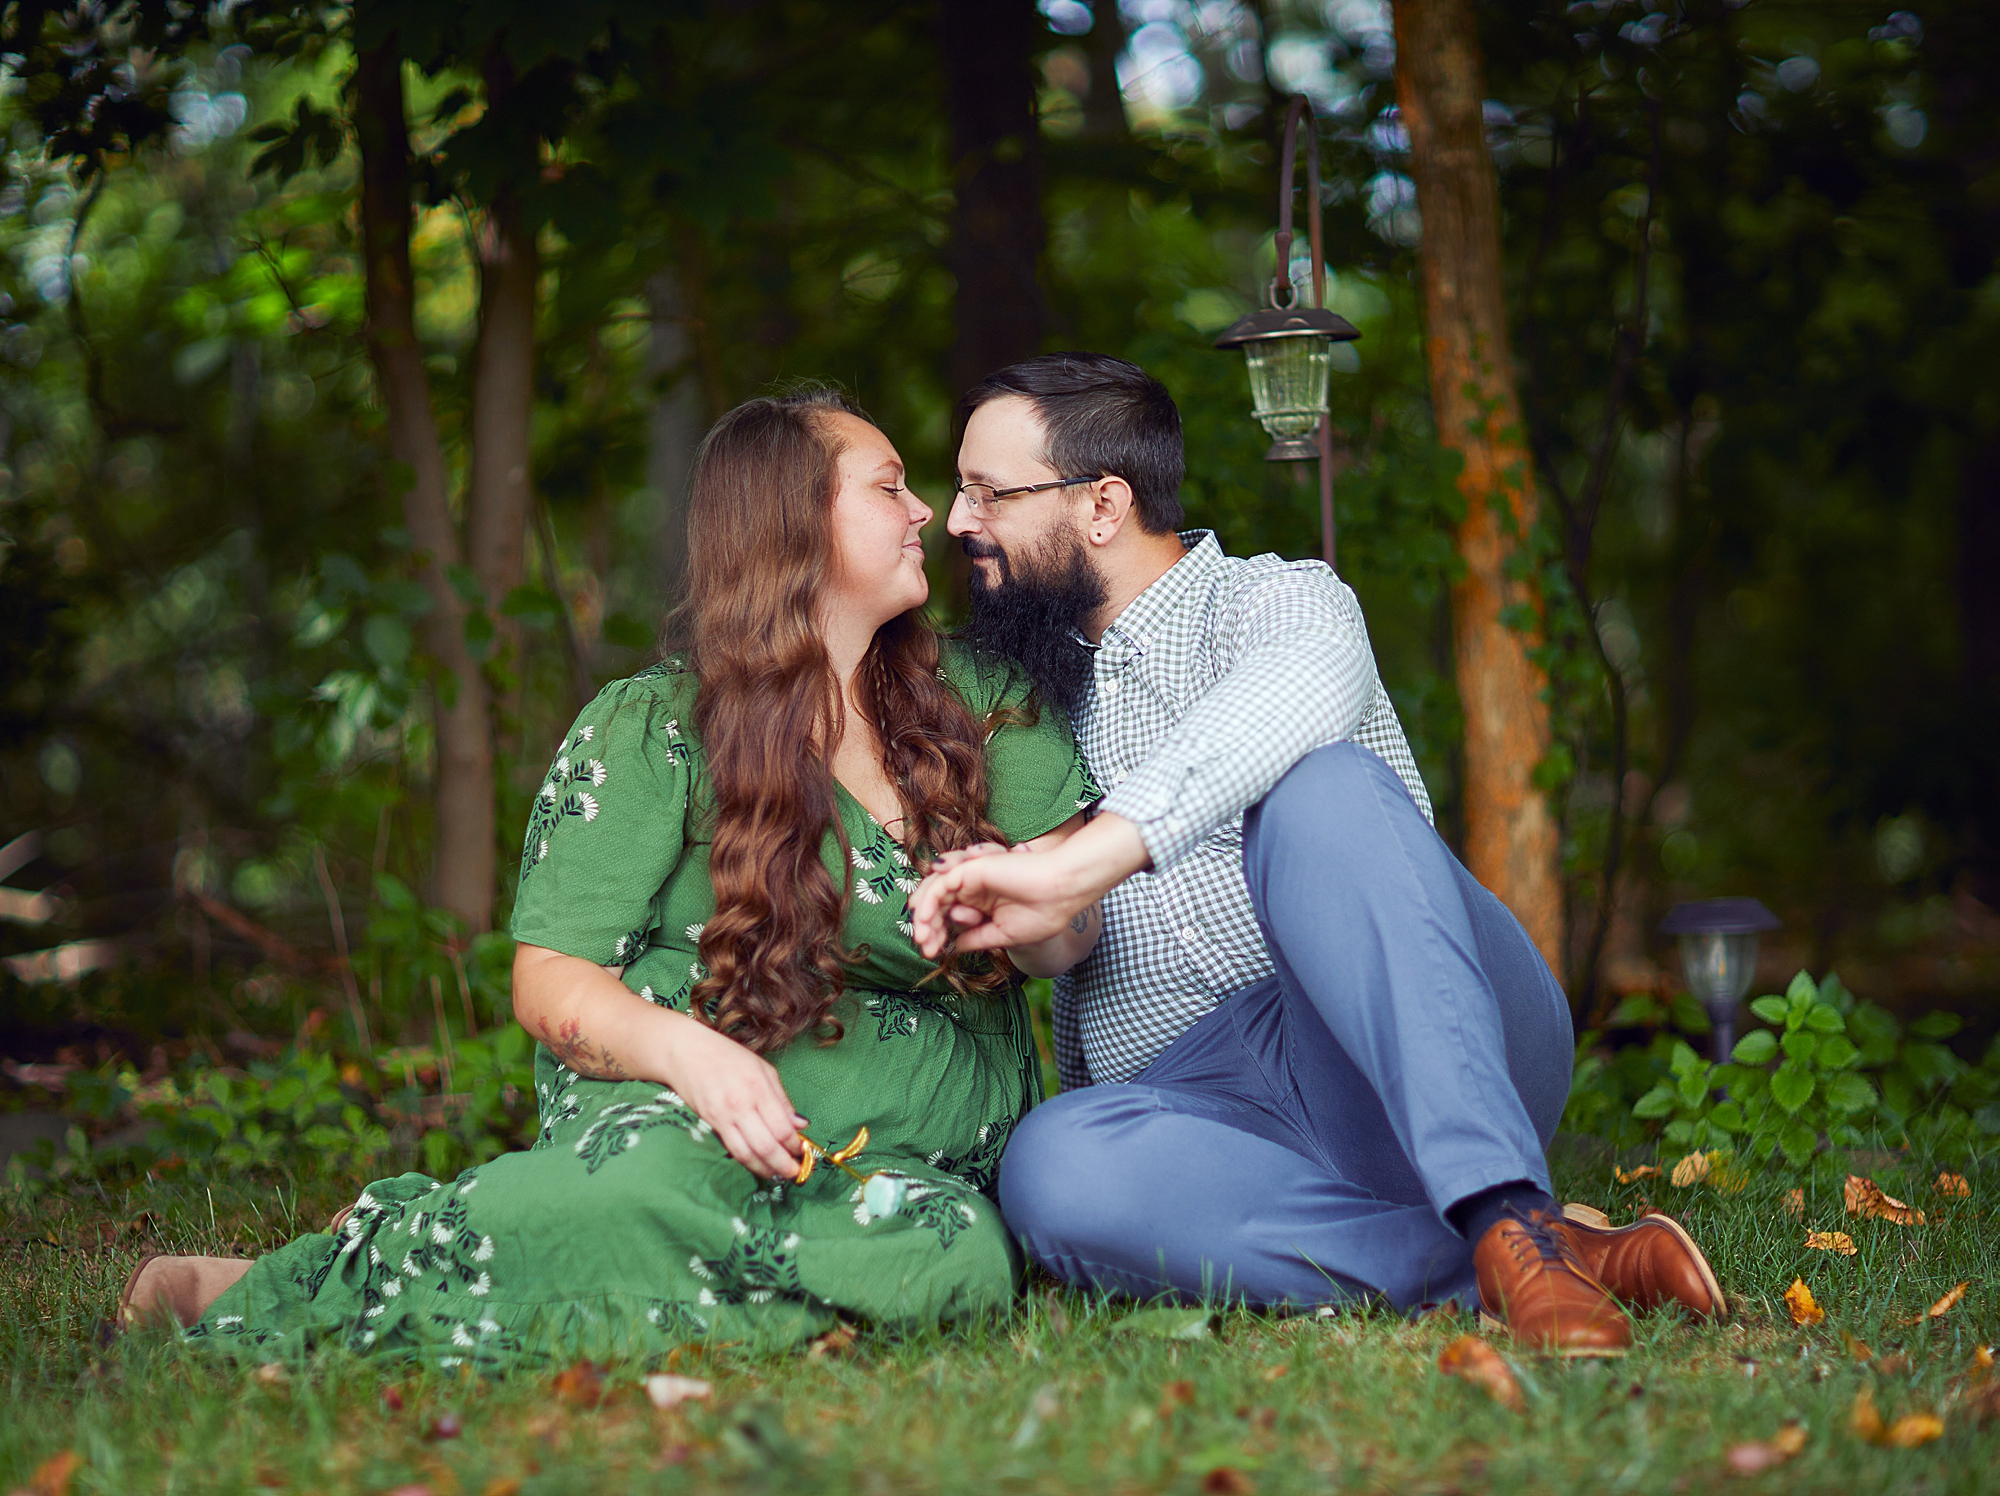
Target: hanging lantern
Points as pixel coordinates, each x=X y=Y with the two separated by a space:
x=1289 y=352
x=1288 y=348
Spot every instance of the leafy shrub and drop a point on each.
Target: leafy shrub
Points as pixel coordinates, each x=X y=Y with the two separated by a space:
x=304 y=1114
x=1830 y=1070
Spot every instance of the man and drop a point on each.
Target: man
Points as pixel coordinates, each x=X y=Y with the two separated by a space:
x=1311 y=1059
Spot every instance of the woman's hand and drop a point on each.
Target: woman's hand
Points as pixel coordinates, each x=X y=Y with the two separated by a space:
x=738 y=1093
x=599 y=1027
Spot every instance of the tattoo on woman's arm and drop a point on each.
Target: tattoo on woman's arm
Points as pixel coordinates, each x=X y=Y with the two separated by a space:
x=570 y=1045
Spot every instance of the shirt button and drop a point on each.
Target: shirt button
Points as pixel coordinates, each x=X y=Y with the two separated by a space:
x=1188 y=933
x=1119 y=777
x=1109 y=688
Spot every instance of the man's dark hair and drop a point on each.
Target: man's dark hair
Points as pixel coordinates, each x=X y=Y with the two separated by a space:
x=1101 y=415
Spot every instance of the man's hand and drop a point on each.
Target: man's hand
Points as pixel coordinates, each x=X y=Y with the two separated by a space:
x=986 y=902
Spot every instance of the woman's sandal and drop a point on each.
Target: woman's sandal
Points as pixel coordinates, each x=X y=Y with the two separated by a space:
x=182 y=1287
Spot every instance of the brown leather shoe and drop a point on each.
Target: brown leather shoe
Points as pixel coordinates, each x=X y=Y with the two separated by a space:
x=1530 y=1276
x=1650 y=1264
x=182 y=1287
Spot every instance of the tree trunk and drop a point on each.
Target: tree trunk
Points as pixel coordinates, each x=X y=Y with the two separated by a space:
x=1510 y=835
x=997 y=231
x=503 y=390
x=1104 y=106
x=503 y=409
x=464 y=868
x=675 y=425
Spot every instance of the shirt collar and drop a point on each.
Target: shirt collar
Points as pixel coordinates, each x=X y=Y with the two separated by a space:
x=1147 y=614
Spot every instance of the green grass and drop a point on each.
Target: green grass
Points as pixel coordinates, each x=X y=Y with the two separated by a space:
x=1053 y=1398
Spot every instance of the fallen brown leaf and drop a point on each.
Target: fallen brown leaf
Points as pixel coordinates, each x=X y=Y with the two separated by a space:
x=1906 y=1432
x=665 y=1390
x=1477 y=1362
x=1892 y=1363
x=1633 y=1176
x=1913 y=1429
x=1799 y=1304
x=1226 y=1480
x=837 y=1342
x=581 y=1385
x=1275 y=1372
x=1946 y=1304
x=1795 y=1202
x=1952 y=1184
x=1175 y=1395
x=1586 y=1215
x=1864 y=1198
x=1058 y=1316
x=502 y=1485
x=1831 y=1241
x=1864 y=1419
x=1690 y=1170
x=53 y=1476
x=1858 y=1349
x=1749 y=1459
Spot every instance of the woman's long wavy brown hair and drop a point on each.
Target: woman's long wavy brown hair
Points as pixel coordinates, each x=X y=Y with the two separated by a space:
x=760 y=555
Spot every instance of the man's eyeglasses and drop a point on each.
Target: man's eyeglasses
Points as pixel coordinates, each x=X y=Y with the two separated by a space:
x=983 y=499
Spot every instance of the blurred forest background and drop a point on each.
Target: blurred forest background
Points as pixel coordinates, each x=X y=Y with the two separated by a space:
x=281 y=611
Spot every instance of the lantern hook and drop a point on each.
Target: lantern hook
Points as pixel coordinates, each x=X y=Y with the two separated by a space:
x=1283 y=293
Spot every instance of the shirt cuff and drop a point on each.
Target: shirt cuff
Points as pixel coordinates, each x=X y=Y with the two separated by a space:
x=1155 y=799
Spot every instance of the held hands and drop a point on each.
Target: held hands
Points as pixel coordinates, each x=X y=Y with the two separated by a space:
x=738 y=1093
x=983 y=900
x=988 y=896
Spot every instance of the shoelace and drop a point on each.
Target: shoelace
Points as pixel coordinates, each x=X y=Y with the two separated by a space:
x=1538 y=1232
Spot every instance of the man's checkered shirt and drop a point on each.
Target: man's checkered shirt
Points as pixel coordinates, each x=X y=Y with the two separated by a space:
x=1211 y=684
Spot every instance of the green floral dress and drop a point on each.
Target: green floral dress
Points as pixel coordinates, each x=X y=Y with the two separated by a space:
x=627 y=1229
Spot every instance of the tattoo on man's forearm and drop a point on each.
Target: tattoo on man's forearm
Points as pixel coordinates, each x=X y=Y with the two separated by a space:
x=1081 y=924
x=569 y=1045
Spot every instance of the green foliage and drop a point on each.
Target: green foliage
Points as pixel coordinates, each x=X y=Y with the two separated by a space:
x=304 y=1113
x=1829 y=1071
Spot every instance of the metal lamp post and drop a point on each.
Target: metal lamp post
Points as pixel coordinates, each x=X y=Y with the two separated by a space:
x=1718 y=939
x=1289 y=348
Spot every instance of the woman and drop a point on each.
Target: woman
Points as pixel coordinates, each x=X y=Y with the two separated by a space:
x=716 y=956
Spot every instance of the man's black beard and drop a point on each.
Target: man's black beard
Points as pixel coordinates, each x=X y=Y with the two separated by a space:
x=1028 y=612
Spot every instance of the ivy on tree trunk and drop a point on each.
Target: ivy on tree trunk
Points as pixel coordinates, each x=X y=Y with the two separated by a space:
x=1510 y=833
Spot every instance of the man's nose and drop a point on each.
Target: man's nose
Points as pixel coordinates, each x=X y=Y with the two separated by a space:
x=961 y=521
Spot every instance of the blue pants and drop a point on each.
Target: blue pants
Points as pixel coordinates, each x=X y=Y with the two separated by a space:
x=1302 y=1143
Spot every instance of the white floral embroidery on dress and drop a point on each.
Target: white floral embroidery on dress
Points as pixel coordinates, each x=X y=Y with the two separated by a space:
x=694 y=931
x=864 y=893
x=482 y=1287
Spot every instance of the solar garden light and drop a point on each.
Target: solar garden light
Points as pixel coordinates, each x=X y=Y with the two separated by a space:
x=1289 y=348
x=1718 y=939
